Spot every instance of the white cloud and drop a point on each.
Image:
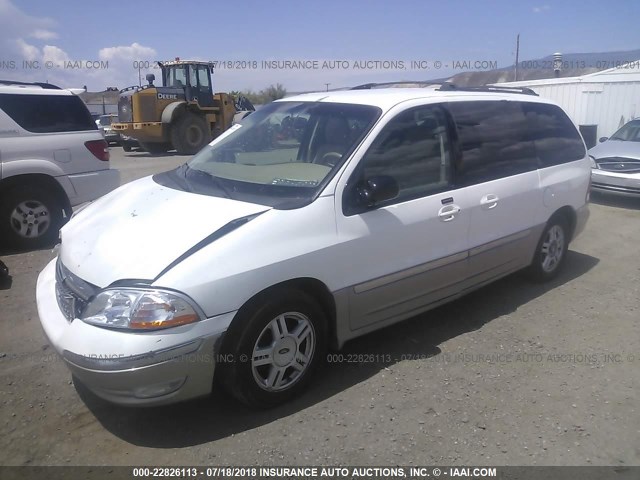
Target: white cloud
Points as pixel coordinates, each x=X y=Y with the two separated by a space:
x=27 y=51
x=541 y=9
x=51 y=53
x=42 y=34
x=133 y=52
x=27 y=40
x=14 y=23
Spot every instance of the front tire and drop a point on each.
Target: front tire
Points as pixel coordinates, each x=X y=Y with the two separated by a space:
x=276 y=345
x=189 y=134
x=551 y=251
x=30 y=217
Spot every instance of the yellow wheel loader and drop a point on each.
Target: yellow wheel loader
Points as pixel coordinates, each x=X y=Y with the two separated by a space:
x=183 y=114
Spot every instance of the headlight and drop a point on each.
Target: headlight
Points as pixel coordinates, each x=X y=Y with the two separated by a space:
x=137 y=309
x=593 y=162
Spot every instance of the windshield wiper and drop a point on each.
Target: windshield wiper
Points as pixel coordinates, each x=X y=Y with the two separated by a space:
x=218 y=182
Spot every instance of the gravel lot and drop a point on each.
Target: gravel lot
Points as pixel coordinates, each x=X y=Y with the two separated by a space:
x=514 y=374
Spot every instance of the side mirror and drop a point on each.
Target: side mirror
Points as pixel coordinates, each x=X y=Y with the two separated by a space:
x=377 y=189
x=603 y=139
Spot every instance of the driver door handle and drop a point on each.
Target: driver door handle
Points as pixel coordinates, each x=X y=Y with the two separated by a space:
x=489 y=201
x=448 y=212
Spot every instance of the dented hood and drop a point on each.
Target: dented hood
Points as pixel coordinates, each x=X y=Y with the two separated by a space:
x=138 y=230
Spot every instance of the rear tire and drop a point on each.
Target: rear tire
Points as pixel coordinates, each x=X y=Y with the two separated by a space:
x=551 y=250
x=189 y=134
x=276 y=343
x=30 y=217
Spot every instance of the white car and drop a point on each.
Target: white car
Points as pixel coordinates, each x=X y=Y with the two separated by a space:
x=265 y=248
x=52 y=157
x=615 y=162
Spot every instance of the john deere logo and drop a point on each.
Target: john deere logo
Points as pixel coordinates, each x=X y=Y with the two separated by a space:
x=167 y=96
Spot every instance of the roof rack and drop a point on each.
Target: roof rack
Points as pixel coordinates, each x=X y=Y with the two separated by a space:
x=45 y=85
x=450 y=87
x=369 y=86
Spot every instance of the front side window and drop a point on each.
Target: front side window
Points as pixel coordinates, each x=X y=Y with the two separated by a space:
x=203 y=78
x=494 y=140
x=414 y=150
x=48 y=113
x=176 y=76
x=281 y=155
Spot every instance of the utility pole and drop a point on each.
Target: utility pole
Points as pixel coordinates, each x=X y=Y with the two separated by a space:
x=327 y=85
x=517 y=57
x=139 y=76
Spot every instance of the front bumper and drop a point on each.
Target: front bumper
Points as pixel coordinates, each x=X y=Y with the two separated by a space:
x=142 y=131
x=91 y=185
x=133 y=368
x=614 y=182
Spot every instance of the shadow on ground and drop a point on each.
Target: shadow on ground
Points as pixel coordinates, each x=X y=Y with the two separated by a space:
x=619 y=201
x=209 y=419
x=5 y=278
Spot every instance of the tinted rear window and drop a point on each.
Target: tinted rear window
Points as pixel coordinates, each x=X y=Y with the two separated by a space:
x=556 y=138
x=48 y=113
x=493 y=137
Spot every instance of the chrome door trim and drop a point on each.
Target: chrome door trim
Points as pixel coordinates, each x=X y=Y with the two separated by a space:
x=410 y=272
x=500 y=242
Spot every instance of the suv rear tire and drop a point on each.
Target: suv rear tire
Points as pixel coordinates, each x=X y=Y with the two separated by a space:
x=30 y=217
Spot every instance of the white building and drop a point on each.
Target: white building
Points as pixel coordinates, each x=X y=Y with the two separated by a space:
x=608 y=98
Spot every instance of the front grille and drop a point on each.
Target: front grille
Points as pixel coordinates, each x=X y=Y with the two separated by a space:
x=147 y=113
x=619 y=164
x=72 y=293
x=125 y=109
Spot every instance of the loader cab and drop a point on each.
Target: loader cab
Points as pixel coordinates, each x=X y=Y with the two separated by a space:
x=193 y=78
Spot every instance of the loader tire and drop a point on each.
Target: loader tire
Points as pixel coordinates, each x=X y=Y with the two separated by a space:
x=189 y=134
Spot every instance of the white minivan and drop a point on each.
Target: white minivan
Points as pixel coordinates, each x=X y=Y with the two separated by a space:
x=319 y=218
x=52 y=157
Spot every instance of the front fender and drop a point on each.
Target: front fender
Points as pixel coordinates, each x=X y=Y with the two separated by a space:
x=169 y=112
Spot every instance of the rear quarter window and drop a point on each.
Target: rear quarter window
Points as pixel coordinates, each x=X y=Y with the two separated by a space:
x=47 y=113
x=555 y=137
x=493 y=139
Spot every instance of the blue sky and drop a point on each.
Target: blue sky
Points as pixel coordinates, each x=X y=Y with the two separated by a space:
x=121 y=32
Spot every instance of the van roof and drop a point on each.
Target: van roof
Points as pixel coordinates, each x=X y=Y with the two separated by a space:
x=386 y=98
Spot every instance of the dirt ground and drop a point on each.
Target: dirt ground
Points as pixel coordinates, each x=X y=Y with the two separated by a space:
x=513 y=374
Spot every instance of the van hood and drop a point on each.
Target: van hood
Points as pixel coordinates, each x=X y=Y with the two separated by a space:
x=138 y=230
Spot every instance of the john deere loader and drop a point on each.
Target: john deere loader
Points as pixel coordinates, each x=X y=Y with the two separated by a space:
x=183 y=114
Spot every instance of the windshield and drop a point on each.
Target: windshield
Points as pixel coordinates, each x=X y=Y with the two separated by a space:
x=280 y=155
x=629 y=132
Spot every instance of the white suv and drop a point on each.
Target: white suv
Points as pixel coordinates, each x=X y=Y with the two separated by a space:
x=52 y=157
x=317 y=219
